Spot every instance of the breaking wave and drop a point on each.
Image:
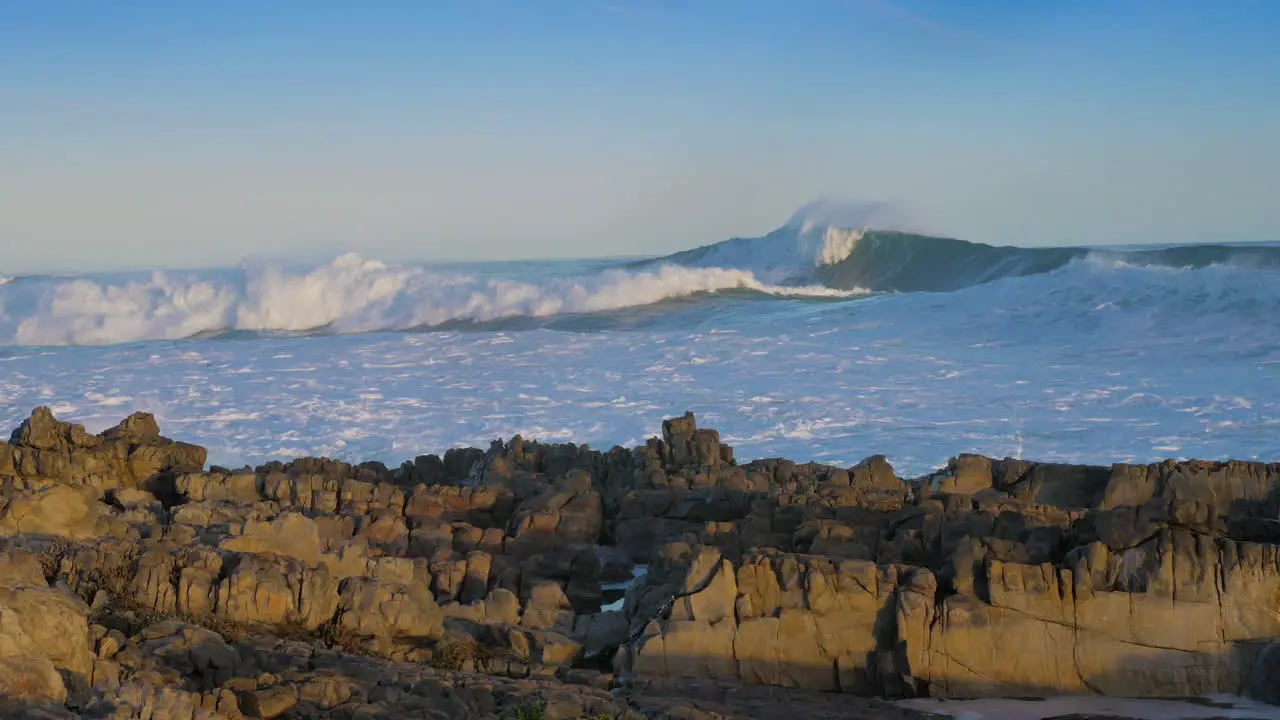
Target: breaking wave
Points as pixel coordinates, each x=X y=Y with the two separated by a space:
x=895 y=261
x=892 y=261
x=825 y=251
x=350 y=295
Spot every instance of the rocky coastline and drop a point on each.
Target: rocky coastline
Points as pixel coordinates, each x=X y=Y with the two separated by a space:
x=531 y=580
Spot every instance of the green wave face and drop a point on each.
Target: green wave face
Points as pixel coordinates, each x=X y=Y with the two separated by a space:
x=900 y=262
x=897 y=261
x=892 y=261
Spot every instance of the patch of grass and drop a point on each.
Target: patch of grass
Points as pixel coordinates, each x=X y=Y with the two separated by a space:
x=330 y=634
x=115 y=578
x=453 y=657
x=533 y=711
x=230 y=630
x=123 y=611
x=52 y=557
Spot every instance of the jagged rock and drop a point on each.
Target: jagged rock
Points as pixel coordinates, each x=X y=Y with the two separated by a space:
x=127 y=456
x=386 y=608
x=144 y=698
x=1148 y=624
x=570 y=515
x=42 y=431
x=138 y=428
x=686 y=445
x=874 y=473
x=387 y=532
x=990 y=577
x=479 y=506
x=276 y=590
x=215 y=487
x=966 y=474
x=29 y=677
x=195 y=652
x=270 y=702
x=459 y=463
x=547 y=608
x=709 y=591
x=57 y=510
x=42 y=630
x=534 y=646
x=290 y=534
x=500 y=607
x=600 y=633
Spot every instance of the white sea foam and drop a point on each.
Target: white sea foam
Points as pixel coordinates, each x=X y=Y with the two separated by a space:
x=1104 y=357
x=346 y=296
x=1088 y=363
x=837 y=244
x=786 y=256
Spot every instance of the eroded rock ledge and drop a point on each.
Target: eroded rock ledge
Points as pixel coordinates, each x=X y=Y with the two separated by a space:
x=667 y=580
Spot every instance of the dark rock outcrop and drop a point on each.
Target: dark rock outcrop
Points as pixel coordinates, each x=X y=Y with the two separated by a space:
x=134 y=580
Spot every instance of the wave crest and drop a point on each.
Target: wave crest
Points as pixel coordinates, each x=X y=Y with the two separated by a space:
x=349 y=295
x=877 y=260
x=837 y=245
x=816 y=254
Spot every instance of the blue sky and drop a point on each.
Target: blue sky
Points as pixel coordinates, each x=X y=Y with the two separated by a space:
x=162 y=133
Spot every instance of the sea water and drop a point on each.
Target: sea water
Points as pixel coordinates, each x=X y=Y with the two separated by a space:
x=813 y=342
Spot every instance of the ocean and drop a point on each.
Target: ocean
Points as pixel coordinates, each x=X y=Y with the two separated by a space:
x=812 y=342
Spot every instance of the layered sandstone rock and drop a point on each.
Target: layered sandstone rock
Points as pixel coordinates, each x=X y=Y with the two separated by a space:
x=969 y=585
x=137 y=582
x=43 y=630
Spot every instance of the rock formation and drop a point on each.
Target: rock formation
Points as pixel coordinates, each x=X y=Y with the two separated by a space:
x=136 y=582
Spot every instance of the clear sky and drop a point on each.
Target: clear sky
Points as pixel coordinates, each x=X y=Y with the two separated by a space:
x=192 y=133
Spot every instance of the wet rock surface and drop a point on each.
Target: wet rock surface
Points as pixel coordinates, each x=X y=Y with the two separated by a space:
x=668 y=580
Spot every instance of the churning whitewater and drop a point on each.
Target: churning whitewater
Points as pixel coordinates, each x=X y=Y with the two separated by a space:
x=818 y=340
